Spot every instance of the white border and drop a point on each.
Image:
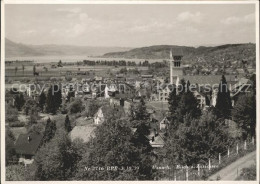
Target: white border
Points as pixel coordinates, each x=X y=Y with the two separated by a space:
x=254 y=2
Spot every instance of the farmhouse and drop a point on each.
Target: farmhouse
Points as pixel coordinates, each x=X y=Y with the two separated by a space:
x=26 y=147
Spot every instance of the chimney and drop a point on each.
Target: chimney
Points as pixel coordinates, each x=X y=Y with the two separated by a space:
x=152 y=138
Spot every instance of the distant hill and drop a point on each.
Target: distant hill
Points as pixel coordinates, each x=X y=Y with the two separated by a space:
x=13 y=49
x=191 y=54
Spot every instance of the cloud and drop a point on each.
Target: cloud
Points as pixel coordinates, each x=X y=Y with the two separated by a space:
x=250 y=18
x=188 y=16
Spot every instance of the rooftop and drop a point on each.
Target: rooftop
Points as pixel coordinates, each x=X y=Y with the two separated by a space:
x=28 y=147
x=83 y=132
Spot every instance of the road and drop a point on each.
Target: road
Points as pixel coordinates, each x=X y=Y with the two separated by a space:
x=232 y=171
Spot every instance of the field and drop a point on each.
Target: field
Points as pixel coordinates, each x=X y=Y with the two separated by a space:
x=77 y=71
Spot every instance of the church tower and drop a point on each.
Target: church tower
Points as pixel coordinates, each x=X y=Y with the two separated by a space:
x=176 y=70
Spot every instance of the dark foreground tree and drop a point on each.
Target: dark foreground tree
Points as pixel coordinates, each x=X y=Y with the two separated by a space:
x=57 y=159
x=42 y=100
x=54 y=99
x=19 y=101
x=10 y=154
x=113 y=146
x=50 y=130
x=67 y=124
x=244 y=114
x=223 y=105
x=197 y=140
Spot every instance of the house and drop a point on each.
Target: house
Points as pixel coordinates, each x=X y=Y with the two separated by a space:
x=164 y=124
x=107 y=111
x=156 y=139
x=202 y=99
x=27 y=145
x=239 y=88
x=164 y=92
x=102 y=113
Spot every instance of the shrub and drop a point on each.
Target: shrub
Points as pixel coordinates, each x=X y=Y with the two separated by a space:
x=11 y=113
x=248 y=173
x=76 y=106
x=16 y=124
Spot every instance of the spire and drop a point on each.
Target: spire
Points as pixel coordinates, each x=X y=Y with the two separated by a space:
x=171 y=54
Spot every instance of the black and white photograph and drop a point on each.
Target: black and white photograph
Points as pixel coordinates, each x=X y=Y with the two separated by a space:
x=130 y=91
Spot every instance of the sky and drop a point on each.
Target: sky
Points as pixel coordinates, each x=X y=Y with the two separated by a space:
x=130 y=25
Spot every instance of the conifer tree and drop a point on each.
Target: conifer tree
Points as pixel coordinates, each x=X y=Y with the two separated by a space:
x=42 y=100
x=173 y=101
x=50 y=107
x=223 y=105
x=19 y=101
x=188 y=104
x=50 y=130
x=71 y=93
x=54 y=99
x=67 y=124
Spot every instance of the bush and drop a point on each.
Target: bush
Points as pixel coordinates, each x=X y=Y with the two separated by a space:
x=76 y=106
x=11 y=113
x=68 y=78
x=248 y=173
x=16 y=124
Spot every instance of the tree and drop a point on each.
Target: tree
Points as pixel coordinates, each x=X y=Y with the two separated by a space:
x=29 y=105
x=50 y=130
x=93 y=107
x=196 y=140
x=23 y=69
x=57 y=159
x=54 y=99
x=76 y=106
x=34 y=69
x=11 y=113
x=37 y=128
x=188 y=104
x=42 y=100
x=59 y=63
x=19 y=101
x=67 y=124
x=223 y=104
x=33 y=116
x=244 y=114
x=114 y=138
x=139 y=112
x=50 y=107
x=10 y=154
x=71 y=93
x=58 y=96
x=15 y=70
x=173 y=102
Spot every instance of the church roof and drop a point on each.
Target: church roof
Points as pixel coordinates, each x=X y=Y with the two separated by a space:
x=177 y=52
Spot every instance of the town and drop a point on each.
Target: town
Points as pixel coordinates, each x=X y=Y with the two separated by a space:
x=74 y=113
x=130 y=91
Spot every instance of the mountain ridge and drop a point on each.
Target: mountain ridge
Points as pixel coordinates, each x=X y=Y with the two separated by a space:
x=13 y=49
x=218 y=53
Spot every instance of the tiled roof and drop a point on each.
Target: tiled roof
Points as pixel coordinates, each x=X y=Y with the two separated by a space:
x=157 y=142
x=25 y=147
x=208 y=79
x=83 y=132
